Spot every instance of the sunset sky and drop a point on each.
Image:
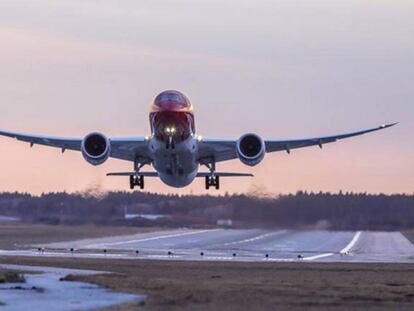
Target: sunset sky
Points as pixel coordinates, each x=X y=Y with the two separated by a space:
x=282 y=69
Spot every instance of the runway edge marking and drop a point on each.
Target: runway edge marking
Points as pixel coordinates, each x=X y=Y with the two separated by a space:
x=318 y=256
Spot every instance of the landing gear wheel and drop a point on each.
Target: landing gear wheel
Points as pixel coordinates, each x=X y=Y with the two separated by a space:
x=136 y=181
x=213 y=181
x=132 y=182
x=141 y=182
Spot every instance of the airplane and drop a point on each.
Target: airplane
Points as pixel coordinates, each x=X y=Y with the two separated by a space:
x=174 y=149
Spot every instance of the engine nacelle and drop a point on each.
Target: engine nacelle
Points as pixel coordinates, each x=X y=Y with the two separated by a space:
x=96 y=148
x=251 y=149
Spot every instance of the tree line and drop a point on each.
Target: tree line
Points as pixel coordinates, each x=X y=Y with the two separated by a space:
x=336 y=211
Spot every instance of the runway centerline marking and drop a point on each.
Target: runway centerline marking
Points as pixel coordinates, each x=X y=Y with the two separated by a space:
x=256 y=238
x=151 y=239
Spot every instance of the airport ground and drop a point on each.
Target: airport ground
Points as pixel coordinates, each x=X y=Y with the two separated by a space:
x=409 y=234
x=10 y=276
x=188 y=285
x=337 y=282
x=21 y=235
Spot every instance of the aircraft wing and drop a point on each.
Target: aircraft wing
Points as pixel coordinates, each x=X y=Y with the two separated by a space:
x=223 y=149
x=129 y=148
x=219 y=149
x=121 y=148
x=62 y=143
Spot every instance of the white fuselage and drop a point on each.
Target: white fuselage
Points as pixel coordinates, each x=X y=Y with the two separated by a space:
x=173 y=144
x=178 y=166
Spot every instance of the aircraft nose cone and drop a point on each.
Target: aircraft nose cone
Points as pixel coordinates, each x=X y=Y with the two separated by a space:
x=171 y=101
x=170 y=105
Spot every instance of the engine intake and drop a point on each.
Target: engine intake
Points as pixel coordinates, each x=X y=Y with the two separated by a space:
x=96 y=148
x=251 y=149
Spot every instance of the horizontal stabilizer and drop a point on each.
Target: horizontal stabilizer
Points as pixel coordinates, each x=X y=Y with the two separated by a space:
x=225 y=174
x=155 y=174
x=145 y=174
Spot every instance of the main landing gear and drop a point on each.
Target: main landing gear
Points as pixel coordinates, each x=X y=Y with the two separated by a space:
x=136 y=181
x=212 y=181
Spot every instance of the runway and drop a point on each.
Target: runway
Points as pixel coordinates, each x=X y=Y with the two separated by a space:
x=239 y=245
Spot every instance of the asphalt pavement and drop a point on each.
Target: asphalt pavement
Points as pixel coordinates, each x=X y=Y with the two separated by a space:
x=238 y=244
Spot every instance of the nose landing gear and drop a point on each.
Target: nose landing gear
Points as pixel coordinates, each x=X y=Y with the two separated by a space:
x=170 y=142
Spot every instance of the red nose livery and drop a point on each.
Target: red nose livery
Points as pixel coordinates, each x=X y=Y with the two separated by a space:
x=171 y=115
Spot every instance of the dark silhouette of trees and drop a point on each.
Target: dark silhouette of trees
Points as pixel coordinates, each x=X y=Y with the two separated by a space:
x=340 y=211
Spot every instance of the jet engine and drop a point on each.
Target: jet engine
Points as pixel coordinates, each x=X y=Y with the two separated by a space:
x=96 y=148
x=250 y=149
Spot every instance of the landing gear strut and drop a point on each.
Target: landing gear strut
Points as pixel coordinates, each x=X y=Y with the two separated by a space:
x=170 y=143
x=136 y=181
x=212 y=181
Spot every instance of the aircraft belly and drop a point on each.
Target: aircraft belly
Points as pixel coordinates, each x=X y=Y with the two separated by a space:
x=177 y=167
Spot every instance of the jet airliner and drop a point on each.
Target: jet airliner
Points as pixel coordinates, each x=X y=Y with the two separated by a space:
x=174 y=149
